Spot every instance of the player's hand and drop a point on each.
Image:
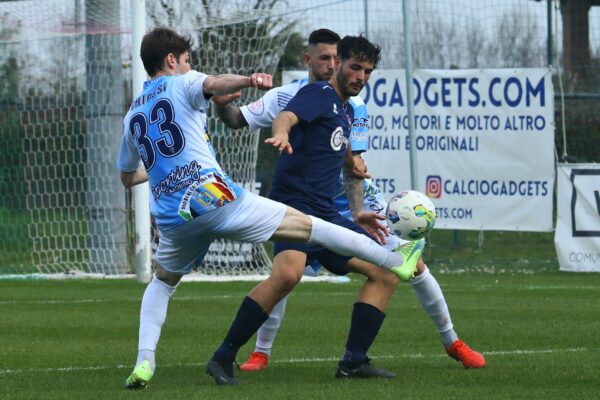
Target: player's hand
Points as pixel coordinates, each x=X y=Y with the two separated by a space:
x=261 y=81
x=224 y=99
x=281 y=142
x=359 y=168
x=369 y=221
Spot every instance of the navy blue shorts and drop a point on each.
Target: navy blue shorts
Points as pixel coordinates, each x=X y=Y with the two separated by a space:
x=334 y=263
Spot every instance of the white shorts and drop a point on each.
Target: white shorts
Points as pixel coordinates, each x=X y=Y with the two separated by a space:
x=249 y=218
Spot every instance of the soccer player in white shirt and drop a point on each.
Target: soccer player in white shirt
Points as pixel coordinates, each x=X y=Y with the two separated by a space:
x=319 y=59
x=192 y=199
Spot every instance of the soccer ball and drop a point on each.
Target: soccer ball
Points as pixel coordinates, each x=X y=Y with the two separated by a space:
x=410 y=215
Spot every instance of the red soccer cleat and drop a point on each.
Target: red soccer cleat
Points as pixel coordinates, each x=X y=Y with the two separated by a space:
x=467 y=356
x=257 y=361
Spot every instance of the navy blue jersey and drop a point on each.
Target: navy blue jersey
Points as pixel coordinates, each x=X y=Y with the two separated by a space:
x=307 y=178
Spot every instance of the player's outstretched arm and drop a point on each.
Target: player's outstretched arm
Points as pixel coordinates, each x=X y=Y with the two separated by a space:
x=282 y=125
x=230 y=114
x=230 y=83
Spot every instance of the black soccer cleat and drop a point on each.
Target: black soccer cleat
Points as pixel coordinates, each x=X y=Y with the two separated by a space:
x=364 y=370
x=222 y=372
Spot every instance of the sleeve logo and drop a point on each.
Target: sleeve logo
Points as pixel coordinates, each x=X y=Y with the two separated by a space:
x=256 y=107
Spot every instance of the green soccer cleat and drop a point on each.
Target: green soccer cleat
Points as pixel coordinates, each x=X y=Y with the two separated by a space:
x=141 y=375
x=411 y=252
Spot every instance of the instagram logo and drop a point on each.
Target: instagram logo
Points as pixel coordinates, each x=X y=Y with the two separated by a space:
x=433 y=186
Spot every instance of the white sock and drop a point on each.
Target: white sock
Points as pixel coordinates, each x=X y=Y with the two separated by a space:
x=152 y=317
x=430 y=295
x=266 y=334
x=348 y=243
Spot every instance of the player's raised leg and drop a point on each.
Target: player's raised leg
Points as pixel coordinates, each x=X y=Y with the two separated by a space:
x=296 y=227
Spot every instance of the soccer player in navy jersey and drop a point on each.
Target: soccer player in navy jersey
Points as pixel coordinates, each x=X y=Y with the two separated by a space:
x=312 y=134
x=193 y=200
x=319 y=58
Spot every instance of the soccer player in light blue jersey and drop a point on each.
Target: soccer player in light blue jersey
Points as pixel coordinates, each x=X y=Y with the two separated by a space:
x=194 y=201
x=319 y=59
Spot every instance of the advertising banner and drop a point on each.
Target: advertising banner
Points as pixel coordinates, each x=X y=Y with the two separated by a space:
x=577 y=237
x=484 y=143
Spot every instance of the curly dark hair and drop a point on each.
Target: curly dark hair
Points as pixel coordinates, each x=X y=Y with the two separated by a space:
x=359 y=47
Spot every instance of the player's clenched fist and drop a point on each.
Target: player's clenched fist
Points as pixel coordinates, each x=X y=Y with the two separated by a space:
x=261 y=81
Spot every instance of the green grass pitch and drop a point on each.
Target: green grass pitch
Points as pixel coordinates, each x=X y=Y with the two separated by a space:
x=77 y=339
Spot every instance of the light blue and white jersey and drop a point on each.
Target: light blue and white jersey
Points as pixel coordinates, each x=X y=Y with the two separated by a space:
x=166 y=130
x=262 y=112
x=359 y=135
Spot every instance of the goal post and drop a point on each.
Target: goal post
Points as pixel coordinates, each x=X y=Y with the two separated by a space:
x=63 y=209
x=141 y=193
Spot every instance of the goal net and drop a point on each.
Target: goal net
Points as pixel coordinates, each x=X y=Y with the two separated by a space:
x=66 y=86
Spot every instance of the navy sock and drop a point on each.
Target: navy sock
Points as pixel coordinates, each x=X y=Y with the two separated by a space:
x=365 y=325
x=249 y=318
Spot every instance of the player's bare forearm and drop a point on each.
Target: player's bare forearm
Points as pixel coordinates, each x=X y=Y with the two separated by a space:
x=359 y=168
x=282 y=124
x=354 y=184
x=231 y=116
x=130 y=179
x=355 y=192
x=230 y=83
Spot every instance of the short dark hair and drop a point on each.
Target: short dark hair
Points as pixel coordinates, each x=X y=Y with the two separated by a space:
x=323 y=36
x=158 y=43
x=359 y=47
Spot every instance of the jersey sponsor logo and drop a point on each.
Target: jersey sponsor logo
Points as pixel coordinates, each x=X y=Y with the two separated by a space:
x=256 y=107
x=360 y=123
x=184 y=205
x=211 y=191
x=338 y=139
x=177 y=179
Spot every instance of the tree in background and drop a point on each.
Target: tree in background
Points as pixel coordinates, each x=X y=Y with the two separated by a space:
x=519 y=41
x=11 y=159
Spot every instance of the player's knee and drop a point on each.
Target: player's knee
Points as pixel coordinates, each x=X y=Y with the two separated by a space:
x=391 y=280
x=287 y=281
x=170 y=278
x=284 y=279
x=385 y=278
